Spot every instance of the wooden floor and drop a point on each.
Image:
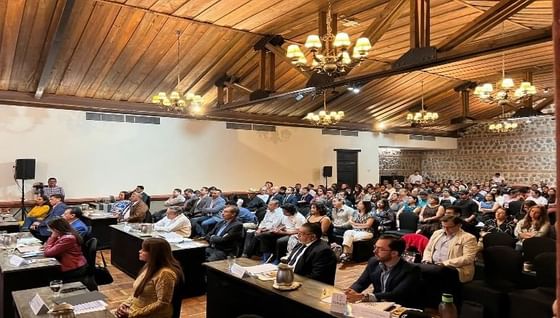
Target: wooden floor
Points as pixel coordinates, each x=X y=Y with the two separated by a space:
x=195 y=307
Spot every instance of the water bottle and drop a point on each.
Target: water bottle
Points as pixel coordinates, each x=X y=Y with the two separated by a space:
x=447 y=308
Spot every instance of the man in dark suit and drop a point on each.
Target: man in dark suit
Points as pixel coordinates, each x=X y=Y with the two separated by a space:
x=393 y=278
x=39 y=229
x=312 y=257
x=226 y=237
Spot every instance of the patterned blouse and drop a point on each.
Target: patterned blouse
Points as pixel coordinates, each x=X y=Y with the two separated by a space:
x=491 y=226
x=362 y=219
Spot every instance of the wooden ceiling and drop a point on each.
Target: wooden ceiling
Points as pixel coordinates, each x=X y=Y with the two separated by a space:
x=113 y=55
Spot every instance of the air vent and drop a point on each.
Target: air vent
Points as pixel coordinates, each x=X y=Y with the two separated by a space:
x=334 y=132
x=415 y=137
x=430 y=138
x=238 y=126
x=264 y=128
x=122 y=118
x=352 y=133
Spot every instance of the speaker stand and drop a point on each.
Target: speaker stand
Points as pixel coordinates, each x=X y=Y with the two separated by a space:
x=22 y=204
x=326 y=183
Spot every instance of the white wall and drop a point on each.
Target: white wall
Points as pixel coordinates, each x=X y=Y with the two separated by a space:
x=92 y=158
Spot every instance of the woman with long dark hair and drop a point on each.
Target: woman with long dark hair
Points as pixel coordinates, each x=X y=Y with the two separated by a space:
x=154 y=286
x=65 y=245
x=363 y=223
x=534 y=224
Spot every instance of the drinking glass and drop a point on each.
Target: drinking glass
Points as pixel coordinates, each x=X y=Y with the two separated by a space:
x=56 y=286
x=11 y=242
x=230 y=262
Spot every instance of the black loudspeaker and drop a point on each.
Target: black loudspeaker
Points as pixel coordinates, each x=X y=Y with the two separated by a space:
x=25 y=169
x=327 y=171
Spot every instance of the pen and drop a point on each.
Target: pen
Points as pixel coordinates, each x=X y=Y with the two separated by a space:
x=269 y=258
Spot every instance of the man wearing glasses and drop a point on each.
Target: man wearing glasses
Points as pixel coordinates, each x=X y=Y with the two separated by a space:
x=313 y=257
x=449 y=258
x=393 y=278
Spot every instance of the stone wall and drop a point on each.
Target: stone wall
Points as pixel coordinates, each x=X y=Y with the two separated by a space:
x=527 y=155
x=399 y=162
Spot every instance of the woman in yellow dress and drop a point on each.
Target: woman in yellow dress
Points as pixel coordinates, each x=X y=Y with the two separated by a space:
x=38 y=212
x=154 y=286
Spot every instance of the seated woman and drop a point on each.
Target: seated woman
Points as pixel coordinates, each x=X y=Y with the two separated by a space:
x=38 y=212
x=488 y=207
x=384 y=217
x=318 y=214
x=174 y=221
x=122 y=203
x=65 y=245
x=362 y=229
x=429 y=216
x=535 y=224
x=500 y=224
x=154 y=286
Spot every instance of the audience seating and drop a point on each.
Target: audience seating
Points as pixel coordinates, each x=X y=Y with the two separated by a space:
x=537 y=302
x=537 y=245
x=498 y=239
x=502 y=271
x=177 y=299
x=363 y=250
x=408 y=223
x=417 y=241
x=148 y=218
x=89 y=249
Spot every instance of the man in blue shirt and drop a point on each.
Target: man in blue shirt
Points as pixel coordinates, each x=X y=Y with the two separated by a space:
x=73 y=215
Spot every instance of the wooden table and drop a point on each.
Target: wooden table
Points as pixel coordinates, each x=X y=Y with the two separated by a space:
x=22 y=298
x=23 y=277
x=124 y=256
x=229 y=296
x=9 y=226
x=100 y=229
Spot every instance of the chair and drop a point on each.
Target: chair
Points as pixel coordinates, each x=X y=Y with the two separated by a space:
x=177 y=299
x=408 y=223
x=537 y=302
x=89 y=249
x=502 y=273
x=363 y=250
x=417 y=241
x=498 y=239
x=537 y=245
x=148 y=218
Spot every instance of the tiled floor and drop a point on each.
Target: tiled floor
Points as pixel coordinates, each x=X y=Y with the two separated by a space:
x=195 y=307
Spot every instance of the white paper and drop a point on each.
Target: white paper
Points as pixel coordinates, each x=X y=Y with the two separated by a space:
x=126 y=228
x=37 y=305
x=171 y=237
x=237 y=270
x=96 y=305
x=338 y=303
x=371 y=310
x=262 y=268
x=17 y=261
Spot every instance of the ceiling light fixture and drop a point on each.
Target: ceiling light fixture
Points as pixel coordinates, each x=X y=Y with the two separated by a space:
x=333 y=59
x=325 y=118
x=502 y=125
x=175 y=101
x=422 y=117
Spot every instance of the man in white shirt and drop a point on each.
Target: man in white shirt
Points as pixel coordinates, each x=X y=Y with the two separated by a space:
x=272 y=219
x=415 y=178
x=176 y=199
x=498 y=179
x=174 y=221
x=535 y=196
x=276 y=240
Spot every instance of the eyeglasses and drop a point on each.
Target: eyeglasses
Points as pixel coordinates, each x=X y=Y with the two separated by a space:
x=377 y=248
x=303 y=233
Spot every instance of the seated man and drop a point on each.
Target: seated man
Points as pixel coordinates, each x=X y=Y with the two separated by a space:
x=211 y=214
x=40 y=229
x=136 y=212
x=276 y=241
x=176 y=199
x=226 y=236
x=174 y=221
x=73 y=215
x=313 y=257
x=449 y=258
x=393 y=278
x=271 y=221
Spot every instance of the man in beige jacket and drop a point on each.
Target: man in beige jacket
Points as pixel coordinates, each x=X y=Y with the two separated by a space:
x=449 y=259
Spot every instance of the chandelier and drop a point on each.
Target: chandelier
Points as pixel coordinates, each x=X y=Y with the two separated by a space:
x=507 y=92
x=175 y=101
x=503 y=125
x=325 y=118
x=422 y=117
x=334 y=59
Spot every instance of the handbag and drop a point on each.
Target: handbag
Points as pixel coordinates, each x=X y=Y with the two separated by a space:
x=102 y=274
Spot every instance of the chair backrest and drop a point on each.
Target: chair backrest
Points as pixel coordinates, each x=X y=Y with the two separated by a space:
x=502 y=266
x=498 y=239
x=418 y=241
x=545 y=268
x=537 y=245
x=90 y=250
x=177 y=299
x=408 y=222
x=148 y=218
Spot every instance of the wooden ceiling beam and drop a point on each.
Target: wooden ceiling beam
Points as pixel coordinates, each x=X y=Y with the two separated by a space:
x=383 y=21
x=542 y=104
x=484 y=22
x=419 y=23
x=54 y=47
x=280 y=53
x=466 y=4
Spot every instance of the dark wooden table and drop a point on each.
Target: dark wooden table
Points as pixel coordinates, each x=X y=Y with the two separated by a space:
x=124 y=256
x=20 y=278
x=100 y=229
x=23 y=297
x=229 y=296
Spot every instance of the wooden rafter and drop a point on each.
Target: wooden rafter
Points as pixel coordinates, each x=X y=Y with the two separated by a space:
x=54 y=48
x=419 y=23
x=484 y=22
x=383 y=21
x=543 y=103
x=280 y=53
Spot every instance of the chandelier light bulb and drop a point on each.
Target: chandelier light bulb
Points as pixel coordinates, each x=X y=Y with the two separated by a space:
x=313 y=42
x=507 y=83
